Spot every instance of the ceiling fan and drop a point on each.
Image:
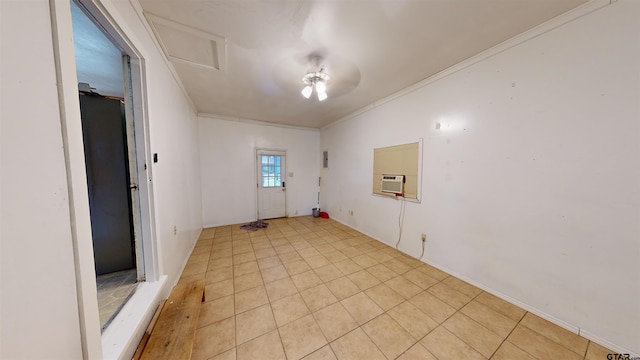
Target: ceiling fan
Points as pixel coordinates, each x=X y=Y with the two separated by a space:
x=316 y=71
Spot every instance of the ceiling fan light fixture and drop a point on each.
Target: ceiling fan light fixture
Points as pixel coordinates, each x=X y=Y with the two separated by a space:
x=317 y=80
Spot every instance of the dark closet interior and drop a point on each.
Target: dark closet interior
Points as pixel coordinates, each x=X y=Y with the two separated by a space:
x=107 y=166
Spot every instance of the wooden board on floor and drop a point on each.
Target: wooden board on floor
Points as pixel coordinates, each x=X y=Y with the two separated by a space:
x=174 y=332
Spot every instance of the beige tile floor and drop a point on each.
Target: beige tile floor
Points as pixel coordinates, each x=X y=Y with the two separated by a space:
x=114 y=290
x=312 y=288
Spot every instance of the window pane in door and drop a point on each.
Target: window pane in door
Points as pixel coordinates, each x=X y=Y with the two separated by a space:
x=271 y=170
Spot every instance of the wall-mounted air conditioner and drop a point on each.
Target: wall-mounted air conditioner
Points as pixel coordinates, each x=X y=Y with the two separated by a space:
x=392 y=184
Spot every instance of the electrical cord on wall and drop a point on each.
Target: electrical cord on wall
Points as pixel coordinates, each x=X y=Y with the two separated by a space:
x=400 y=218
x=401 y=223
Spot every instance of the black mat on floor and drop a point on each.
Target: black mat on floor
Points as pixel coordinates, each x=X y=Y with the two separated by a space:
x=253 y=226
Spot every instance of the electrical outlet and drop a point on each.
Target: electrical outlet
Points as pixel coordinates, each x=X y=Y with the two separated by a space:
x=424 y=237
x=175 y=230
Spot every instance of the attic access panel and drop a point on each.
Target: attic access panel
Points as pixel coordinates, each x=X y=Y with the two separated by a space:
x=189 y=45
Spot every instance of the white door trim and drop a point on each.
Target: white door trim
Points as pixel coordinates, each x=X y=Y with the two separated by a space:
x=71 y=124
x=94 y=345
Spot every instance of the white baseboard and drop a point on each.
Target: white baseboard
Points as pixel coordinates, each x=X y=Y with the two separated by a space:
x=184 y=263
x=563 y=324
x=609 y=345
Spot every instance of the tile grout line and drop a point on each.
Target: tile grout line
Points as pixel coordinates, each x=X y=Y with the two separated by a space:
x=439 y=323
x=507 y=337
x=550 y=339
x=512 y=330
x=385 y=312
x=271 y=307
x=586 y=350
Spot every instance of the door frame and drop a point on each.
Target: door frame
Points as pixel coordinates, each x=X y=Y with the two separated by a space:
x=266 y=151
x=122 y=342
x=137 y=122
x=137 y=204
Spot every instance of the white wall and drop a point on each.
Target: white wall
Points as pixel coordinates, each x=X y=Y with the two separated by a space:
x=531 y=187
x=38 y=297
x=229 y=173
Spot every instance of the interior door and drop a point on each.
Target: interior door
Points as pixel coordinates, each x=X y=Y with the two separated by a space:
x=105 y=148
x=272 y=194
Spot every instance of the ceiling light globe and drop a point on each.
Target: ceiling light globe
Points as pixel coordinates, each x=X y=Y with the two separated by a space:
x=306 y=92
x=321 y=87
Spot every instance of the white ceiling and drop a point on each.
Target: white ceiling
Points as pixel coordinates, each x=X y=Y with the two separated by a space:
x=246 y=58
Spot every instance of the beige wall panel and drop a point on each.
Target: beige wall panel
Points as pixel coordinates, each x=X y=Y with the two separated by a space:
x=397 y=160
x=387 y=162
x=410 y=160
x=411 y=187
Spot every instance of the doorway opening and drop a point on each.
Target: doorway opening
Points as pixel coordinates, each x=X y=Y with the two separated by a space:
x=114 y=153
x=272 y=194
x=111 y=209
